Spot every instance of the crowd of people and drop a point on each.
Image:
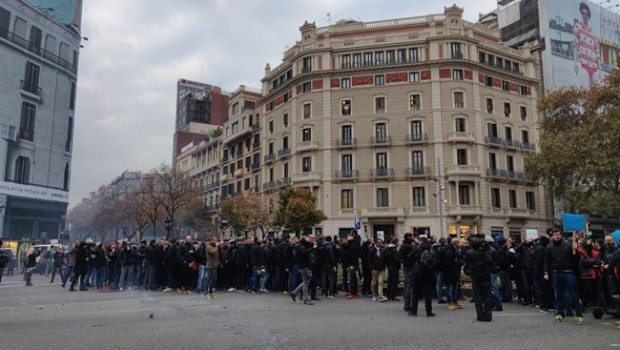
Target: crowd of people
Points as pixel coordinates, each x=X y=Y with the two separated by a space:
x=552 y=273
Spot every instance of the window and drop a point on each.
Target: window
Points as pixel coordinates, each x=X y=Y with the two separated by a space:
x=401 y=56
x=492 y=129
x=285 y=120
x=522 y=90
x=482 y=57
x=367 y=58
x=457 y=74
x=455 y=50
x=379 y=104
x=460 y=125
x=464 y=194
x=510 y=163
x=492 y=161
x=379 y=57
x=271 y=175
x=345 y=83
x=417 y=160
x=306 y=87
x=285 y=172
x=516 y=67
x=306 y=135
x=499 y=62
x=347 y=163
x=491 y=60
x=307 y=110
x=346 y=61
x=346 y=199
x=489 y=105
x=379 y=80
x=488 y=81
x=248 y=163
x=381 y=132
x=347 y=134
x=461 y=156
x=525 y=136
x=414 y=77
x=285 y=142
x=271 y=127
x=235 y=108
x=306 y=64
x=523 y=110
x=459 y=99
x=357 y=60
x=239 y=186
x=416 y=129
x=246 y=184
x=35 y=39
x=306 y=164
x=26 y=128
x=505 y=85
x=31 y=78
x=65 y=181
x=530 y=200
x=389 y=57
x=419 y=198
x=507 y=109
x=382 y=198
x=381 y=159
x=235 y=127
x=72 y=96
x=413 y=55
x=415 y=102
x=5 y=19
x=22 y=170
x=495 y=198
x=270 y=148
x=512 y=198
x=508 y=133
x=69 y=135
x=345 y=107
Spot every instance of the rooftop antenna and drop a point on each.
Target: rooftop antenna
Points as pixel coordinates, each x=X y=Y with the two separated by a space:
x=329 y=19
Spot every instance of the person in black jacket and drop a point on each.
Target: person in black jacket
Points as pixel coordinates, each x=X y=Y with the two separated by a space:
x=351 y=259
x=305 y=257
x=525 y=253
x=393 y=268
x=82 y=257
x=405 y=256
x=126 y=260
x=329 y=268
x=152 y=262
x=99 y=265
x=377 y=258
x=451 y=263
x=241 y=266
x=172 y=262
x=561 y=262
x=423 y=277
x=58 y=261
x=366 y=272
x=478 y=265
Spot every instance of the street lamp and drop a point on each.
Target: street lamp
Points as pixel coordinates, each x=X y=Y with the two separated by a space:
x=168 y=227
x=439 y=193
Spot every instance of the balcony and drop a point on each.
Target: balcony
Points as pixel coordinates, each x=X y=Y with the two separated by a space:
x=307 y=177
x=526 y=146
x=494 y=141
x=284 y=152
x=385 y=140
x=344 y=143
x=269 y=158
x=283 y=182
x=307 y=146
x=306 y=69
x=457 y=55
x=26 y=134
x=347 y=175
x=464 y=210
x=24 y=43
x=417 y=138
x=496 y=173
x=255 y=166
x=512 y=144
x=456 y=137
x=30 y=88
x=212 y=186
x=518 y=213
x=256 y=145
x=382 y=173
x=417 y=172
x=239 y=134
x=270 y=185
x=383 y=212
x=463 y=170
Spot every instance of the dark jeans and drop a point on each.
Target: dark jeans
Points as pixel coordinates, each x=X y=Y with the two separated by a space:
x=55 y=269
x=423 y=288
x=366 y=280
x=329 y=280
x=172 y=274
x=392 y=283
x=79 y=273
x=482 y=298
x=527 y=279
x=67 y=274
x=565 y=288
x=408 y=288
x=306 y=276
x=240 y=274
x=353 y=280
x=210 y=280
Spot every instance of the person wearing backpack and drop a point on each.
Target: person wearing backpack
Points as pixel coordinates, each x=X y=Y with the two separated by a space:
x=426 y=261
x=4 y=260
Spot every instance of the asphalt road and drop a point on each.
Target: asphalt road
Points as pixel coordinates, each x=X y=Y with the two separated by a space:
x=46 y=316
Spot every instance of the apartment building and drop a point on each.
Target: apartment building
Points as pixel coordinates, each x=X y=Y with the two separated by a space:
x=241 y=144
x=413 y=124
x=39 y=50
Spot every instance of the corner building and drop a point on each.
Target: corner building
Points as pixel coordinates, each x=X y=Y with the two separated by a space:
x=414 y=124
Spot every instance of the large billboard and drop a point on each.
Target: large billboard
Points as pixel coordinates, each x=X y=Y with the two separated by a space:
x=582 y=42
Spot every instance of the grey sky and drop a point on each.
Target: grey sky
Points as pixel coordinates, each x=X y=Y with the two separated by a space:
x=138 y=49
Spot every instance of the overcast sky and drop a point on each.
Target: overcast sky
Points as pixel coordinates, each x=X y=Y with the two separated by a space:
x=138 y=49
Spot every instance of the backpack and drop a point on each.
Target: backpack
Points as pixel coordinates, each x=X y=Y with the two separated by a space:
x=428 y=259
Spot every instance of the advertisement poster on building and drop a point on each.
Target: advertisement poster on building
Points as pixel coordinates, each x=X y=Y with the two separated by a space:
x=583 y=42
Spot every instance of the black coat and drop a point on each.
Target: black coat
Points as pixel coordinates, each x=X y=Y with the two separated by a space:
x=451 y=262
x=478 y=264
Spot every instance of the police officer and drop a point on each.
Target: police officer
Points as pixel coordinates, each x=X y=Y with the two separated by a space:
x=478 y=265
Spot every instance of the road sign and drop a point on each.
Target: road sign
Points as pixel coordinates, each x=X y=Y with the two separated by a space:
x=358 y=223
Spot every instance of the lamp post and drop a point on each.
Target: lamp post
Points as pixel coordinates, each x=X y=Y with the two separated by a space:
x=439 y=193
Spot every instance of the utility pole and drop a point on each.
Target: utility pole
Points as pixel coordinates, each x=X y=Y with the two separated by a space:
x=439 y=193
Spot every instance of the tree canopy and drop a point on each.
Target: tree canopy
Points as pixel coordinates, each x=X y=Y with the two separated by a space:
x=579 y=158
x=297 y=209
